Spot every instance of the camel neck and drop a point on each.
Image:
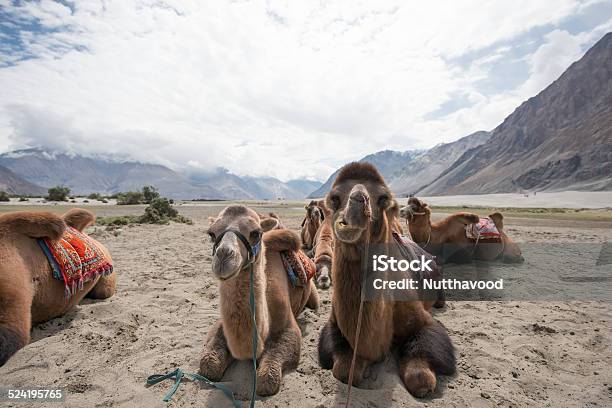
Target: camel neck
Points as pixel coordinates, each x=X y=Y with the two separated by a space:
x=420 y=229
x=235 y=307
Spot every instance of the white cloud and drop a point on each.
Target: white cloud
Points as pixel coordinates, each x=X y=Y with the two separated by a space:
x=289 y=89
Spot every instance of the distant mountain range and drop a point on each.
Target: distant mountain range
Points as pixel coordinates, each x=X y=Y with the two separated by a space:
x=32 y=171
x=560 y=139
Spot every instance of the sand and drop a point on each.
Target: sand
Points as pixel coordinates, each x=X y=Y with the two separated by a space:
x=510 y=353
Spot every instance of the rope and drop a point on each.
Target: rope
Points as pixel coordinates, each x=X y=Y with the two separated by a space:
x=364 y=267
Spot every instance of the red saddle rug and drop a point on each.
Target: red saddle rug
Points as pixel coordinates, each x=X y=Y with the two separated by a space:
x=299 y=267
x=75 y=259
x=484 y=229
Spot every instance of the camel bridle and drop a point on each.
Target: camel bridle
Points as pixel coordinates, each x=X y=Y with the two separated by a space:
x=252 y=250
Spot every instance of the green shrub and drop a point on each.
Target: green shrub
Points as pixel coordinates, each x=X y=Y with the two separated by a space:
x=95 y=196
x=149 y=193
x=4 y=196
x=160 y=211
x=130 y=198
x=104 y=200
x=58 y=193
x=22 y=199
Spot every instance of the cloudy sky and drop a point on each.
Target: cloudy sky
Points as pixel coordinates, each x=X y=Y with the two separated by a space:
x=282 y=88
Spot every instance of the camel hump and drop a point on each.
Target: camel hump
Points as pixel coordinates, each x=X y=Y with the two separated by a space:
x=471 y=218
x=282 y=240
x=79 y=218
x=35 y=224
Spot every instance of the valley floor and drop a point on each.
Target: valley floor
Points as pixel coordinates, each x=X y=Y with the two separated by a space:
x=103 y=351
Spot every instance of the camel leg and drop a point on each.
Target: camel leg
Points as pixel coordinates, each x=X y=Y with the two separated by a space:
x=336 y=353
x=281 y=352
x=313 y=298
x=428 y=353
x=16 y=295
x=216 y=356
x=104 y=288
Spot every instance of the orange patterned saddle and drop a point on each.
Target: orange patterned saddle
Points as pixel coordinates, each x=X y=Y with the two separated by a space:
x=75 y=259
x=299 y=267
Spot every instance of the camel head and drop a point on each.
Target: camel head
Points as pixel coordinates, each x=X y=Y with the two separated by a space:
x=512 y=252
x=361 y=204
x=415 y=208
x=237 y=233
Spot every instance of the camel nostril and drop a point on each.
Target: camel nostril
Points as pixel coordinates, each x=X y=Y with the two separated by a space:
x=359 y=197
x=225 y=253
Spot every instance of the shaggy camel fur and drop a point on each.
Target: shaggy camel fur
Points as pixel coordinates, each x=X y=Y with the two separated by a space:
x=447 y=238
x=277 y=303
x=363 y=211
x=317 y=230
x=28 y=292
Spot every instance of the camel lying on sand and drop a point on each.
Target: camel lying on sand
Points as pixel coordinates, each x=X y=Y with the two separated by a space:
x=277 y=302
x=447 y=238
x=28 y=292
x=318 y=238
x=364 y=213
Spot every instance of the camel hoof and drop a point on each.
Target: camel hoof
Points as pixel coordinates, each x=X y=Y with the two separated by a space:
x=420 y=382
x=341 y=370
x=269 y=378
x=211 y=367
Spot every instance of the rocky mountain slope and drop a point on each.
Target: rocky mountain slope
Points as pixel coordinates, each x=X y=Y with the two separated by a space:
x=387 y=162
x=560 y=139
x=84 y=175
x=15 y=185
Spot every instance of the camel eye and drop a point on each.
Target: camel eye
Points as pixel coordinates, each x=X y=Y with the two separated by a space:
x=256 y=235
x=383 y=200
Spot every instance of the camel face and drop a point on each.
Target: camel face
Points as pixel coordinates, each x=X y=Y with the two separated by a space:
x=414 y=207
x=357 y=206
x=231 y=255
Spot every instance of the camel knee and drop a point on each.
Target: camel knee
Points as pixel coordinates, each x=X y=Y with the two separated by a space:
x=313 y=297
x=10 y=343
x=104 y=288
x=433 y=345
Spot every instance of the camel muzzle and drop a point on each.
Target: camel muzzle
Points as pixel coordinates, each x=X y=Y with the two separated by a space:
x=228 y=259
x=354 y=219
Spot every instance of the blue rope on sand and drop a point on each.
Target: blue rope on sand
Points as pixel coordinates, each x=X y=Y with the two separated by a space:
x=179 y=374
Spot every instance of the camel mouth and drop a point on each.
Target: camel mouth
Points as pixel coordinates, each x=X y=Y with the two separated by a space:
x=227 y=268
x=347 y=233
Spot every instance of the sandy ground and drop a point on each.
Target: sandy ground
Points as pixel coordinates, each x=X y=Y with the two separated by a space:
x=103 y=351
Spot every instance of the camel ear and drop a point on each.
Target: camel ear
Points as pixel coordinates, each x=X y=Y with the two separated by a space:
x=269 y=224
x=498 y=220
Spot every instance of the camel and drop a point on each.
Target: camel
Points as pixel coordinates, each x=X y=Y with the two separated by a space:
x=28 y=292
x=447 y=238
x=277 y=302
x=363 y=212
x=319 y=240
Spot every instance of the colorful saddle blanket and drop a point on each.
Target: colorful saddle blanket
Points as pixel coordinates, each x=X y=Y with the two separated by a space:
x=299 y=267
x=75 y=259
x=484 y=229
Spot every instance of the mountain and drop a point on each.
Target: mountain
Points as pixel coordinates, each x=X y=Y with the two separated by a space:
x=84 y=175
x=425 y=168
x=560 y=139
x=387 y=162
x=15 y=185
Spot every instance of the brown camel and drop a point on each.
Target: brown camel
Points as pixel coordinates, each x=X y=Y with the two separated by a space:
x=317 y=231
x=28 y=292
x=363 y=214
x=277 y=302
x=447 y=238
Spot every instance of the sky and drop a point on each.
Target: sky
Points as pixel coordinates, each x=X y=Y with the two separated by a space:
x=289 y=89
